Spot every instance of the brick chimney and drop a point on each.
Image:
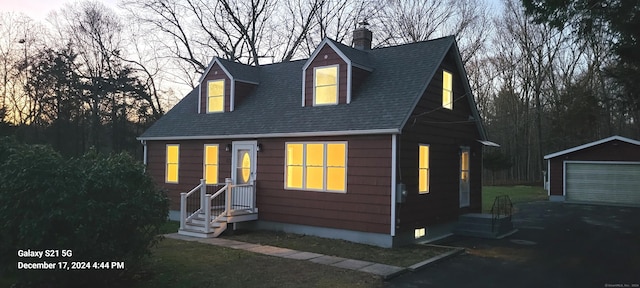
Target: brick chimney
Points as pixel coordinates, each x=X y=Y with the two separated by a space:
x=362 y=37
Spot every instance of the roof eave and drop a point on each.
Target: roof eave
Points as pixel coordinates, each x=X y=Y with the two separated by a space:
x=591 y=144
x=274 y=135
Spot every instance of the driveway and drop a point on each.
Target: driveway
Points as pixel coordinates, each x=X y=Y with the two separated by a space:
x=558 y=245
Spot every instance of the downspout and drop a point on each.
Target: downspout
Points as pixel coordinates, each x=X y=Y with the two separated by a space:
x=547 y=180
x=393 y=183
x=144 y=153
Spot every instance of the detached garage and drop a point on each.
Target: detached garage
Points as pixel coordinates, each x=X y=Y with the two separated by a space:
x=606 y=171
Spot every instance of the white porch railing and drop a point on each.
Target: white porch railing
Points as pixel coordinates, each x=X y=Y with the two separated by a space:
x=231 y=199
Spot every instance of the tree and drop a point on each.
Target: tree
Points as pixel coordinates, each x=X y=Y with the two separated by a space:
x=98 y=207
x=594 y=19
x=111 y=92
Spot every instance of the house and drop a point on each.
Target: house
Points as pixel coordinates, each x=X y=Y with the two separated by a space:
x=378 y=146
x=606 y=171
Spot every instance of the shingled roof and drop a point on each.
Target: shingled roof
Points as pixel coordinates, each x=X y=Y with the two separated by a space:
x=382 y=104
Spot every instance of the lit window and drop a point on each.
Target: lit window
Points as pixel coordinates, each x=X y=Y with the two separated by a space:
x=464 y=166
x=173 y=156
x=336 y=163
x=325 y=90
x=419 y=233
x=423 y=169
x=294 y=165
x=447 y=90
x=211 y=164
x=215 y=96
x=316 y=166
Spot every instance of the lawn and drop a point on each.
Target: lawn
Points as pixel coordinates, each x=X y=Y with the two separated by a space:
x=177 y=263
x=401 y=256
x=517 y=194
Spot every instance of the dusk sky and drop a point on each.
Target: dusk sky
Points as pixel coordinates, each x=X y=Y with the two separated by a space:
x=39 y=9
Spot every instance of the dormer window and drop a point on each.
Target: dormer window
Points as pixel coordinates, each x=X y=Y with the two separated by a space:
x=325 y=85
x=447 y=90
x=215 y=96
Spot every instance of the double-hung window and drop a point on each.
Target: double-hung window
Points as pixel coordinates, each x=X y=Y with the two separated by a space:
x=172 y=163
x=215 y=96
x=447 y=90
x=423 y=169
x=318 y=166
x=325 y=85
x=211 y=163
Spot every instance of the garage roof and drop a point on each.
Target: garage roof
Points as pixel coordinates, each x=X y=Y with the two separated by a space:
x=584 y=146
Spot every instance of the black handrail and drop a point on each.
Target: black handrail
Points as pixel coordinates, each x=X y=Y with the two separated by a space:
x=501 y=206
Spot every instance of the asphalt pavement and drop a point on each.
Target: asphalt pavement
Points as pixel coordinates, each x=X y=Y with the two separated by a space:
x=557 y=245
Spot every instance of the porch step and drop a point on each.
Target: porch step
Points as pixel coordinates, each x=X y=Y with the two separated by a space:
x=200 y=224
x=195 y=233
x=483 y=226
x=236 y=216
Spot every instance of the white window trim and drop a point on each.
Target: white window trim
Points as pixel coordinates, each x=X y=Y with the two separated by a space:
x=166 y=165
x=337 y=84
x=452 y=99
x=223 y=95
x=428 y=170
x=204 y=162
x=324 y=166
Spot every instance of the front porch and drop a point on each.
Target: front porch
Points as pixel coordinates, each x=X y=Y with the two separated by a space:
x=207 y=214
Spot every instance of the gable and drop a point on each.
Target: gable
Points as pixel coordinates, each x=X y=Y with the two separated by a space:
x=326 y=56
x=430 y=115
x=215 y=72
x=614 y=148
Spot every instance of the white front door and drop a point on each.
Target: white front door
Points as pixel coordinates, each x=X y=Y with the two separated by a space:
x=464 y=177
x=243 y=171
x=243 y=162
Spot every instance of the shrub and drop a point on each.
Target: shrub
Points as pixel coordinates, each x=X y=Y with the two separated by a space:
x=102 y=208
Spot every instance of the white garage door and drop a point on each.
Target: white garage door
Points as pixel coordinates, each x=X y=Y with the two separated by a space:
x=603 y=182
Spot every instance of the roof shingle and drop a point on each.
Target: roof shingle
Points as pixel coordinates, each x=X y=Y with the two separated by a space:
x=382 y=103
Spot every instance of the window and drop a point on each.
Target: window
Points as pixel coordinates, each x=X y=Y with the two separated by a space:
x=325 y=85
x=464 y=165
x=215 y=96
x=319 y=166
x=173 y=158
x=423 y=169
x=447 y=90
x=211 y=164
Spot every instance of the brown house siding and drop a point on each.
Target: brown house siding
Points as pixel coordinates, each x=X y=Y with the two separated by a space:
x=446 y=131
x=215 y=73
x=332 y=58
x=190 y=165
x=364 y=207
x=614 y=150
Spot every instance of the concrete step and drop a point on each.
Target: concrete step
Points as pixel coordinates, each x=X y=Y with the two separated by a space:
x=484 y=226
x=481 y=218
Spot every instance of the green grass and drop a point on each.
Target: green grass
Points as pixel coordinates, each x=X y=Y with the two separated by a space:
x=517 y=194
x=177 y=263
x=401 y=256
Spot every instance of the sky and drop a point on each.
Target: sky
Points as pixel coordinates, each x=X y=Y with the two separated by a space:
x=39 y=9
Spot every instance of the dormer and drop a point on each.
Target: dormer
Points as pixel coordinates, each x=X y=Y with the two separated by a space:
x=224 y=85
x=332 y=73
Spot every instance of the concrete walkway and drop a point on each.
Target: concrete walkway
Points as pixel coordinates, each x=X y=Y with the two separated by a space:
x=382 y=270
